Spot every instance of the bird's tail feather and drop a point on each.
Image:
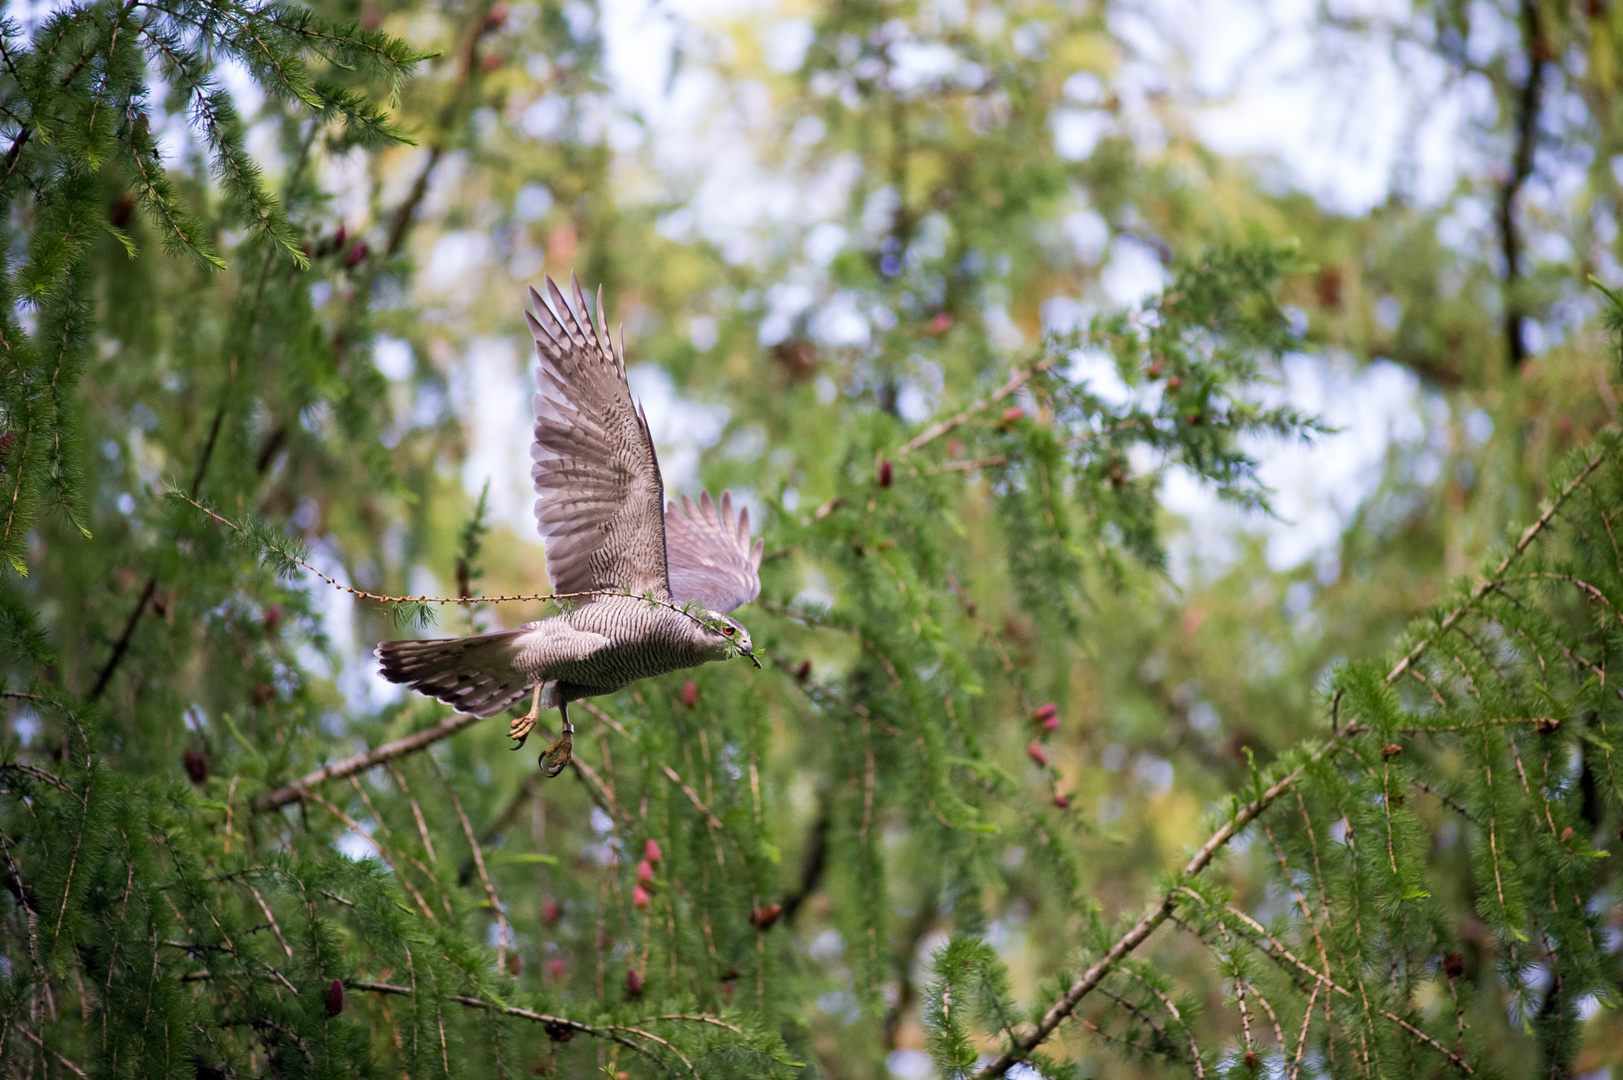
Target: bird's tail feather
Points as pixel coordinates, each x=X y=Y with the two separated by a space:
x=475 y=675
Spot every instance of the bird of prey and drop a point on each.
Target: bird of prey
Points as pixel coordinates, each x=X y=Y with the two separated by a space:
x=646 y=587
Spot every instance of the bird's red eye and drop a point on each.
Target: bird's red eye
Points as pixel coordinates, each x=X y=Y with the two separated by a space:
x=727 y=630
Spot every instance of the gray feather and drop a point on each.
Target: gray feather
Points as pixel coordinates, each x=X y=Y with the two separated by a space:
x=596 y=476
x=476 y=675
x=709 y=555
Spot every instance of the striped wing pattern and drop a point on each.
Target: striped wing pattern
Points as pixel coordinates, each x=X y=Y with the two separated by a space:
x=709 y=553
x=596 y=477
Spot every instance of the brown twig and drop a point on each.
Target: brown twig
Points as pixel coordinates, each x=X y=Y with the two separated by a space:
x=303 y=787
x=1277 y=948
x=1494 y=580
x=1018 y=378
x=1023 y=1045
x=479 y=862
x=555 y=1025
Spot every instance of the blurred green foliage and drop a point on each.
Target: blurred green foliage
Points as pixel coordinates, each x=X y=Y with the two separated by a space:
x=272 y=259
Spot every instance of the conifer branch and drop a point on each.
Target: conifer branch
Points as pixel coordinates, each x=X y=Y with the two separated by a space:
x=1283 y=954
x=1496 y=579
x=359 y=763
x=1017 y=379
x=287 y=556
x=1022 y=1046
x=506 y=932
x=558 y=1028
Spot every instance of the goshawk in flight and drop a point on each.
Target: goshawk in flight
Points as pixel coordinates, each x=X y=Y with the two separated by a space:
x=651 y=584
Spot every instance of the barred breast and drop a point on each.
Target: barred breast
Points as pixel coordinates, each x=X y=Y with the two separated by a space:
x=645 y=640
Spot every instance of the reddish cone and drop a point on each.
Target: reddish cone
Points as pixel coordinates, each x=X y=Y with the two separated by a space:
x=633 y=982
x=651 y=852
x=645 y=873
x=690 y=694
x=551 y=912
x=1035 y=751
x=640 y=899
x=335 y=998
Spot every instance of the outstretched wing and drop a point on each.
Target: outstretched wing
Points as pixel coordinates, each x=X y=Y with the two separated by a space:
x=596 y=476
x=710 y=556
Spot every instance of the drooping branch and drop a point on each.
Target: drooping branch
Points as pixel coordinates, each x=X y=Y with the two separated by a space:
x=1029 y=1040
x=1140 y=932
x=1018 y=378
x=558 y=1028
x=339 y=770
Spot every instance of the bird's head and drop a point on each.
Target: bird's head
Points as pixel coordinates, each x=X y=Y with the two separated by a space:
x=731 y=636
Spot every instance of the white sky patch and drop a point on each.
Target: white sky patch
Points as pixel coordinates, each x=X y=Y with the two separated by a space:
x=1133 y=272
x=1347 y=115
x=491 y=387
x=1318 y=485
x=364 y=690
x=682 y=429
x=1097 y=371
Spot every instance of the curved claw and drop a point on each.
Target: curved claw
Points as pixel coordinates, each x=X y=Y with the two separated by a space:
x=558 y=755
x=522 y=739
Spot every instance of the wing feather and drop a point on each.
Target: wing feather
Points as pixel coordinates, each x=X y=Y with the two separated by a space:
x=596 y=476
x=709 y=553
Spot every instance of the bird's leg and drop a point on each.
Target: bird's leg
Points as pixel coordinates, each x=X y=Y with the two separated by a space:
x=559 y=754
x=522 y=727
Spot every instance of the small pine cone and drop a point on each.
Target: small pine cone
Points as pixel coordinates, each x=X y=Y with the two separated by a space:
x=633 y=982
x=641 y=898
x=1390 y=750
x=335 y=998
x=645 y=873
x=515 y=965
x=651 y=852
x=1035 y=751
x=887 y=474
x=762 y=918
x=690 y=694
x=196 y=766
x=551 y=912
x=1454 y=965
x=1252 y=1060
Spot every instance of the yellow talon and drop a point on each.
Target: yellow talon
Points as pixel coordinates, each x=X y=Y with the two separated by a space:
x=560 y=753
x=522 y=727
